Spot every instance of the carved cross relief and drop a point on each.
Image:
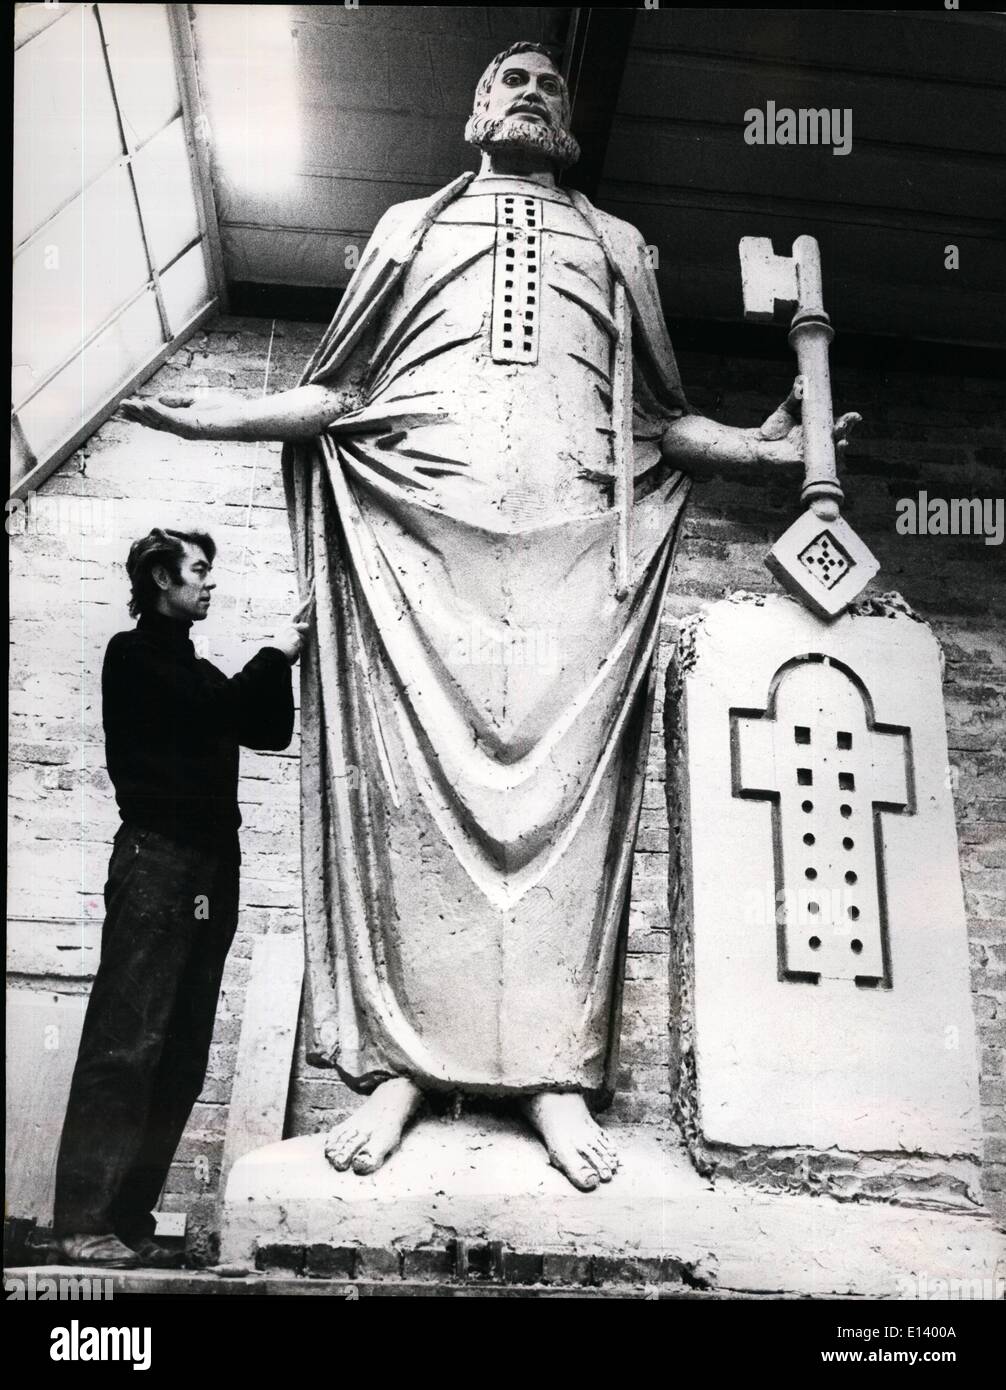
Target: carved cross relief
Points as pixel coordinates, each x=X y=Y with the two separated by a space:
x=831 y=772
x=516 y=279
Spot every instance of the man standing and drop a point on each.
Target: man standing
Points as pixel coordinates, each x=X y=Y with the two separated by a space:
x=497 y=375
x=173 y=725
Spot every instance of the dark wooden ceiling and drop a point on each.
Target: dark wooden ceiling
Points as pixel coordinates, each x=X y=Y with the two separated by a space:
x=382 y=94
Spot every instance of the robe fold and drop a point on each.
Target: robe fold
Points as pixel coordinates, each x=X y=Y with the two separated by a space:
x=476 y=701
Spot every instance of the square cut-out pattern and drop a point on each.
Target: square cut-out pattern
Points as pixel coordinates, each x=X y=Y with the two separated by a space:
x=514 y=333
x=826 y=560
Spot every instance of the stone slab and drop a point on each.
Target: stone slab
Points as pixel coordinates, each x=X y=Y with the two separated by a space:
x=875 y=1052
x=480 y=1180
x=43 y=1035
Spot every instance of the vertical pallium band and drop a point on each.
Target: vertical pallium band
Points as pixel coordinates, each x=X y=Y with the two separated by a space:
x=517 y=279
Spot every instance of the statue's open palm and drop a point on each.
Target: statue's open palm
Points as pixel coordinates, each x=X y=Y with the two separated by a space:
x=171 y=412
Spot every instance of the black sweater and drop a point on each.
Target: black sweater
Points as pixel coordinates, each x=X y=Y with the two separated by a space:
x=173 y=724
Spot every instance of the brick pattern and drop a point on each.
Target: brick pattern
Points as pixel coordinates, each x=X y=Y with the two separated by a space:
x=940 y=433
x=467 y=1262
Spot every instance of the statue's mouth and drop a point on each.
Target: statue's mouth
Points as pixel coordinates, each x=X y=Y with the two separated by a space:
x=527 y=111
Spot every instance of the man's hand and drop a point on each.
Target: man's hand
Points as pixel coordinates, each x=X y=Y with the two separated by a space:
x=780 y=439
x=291 y=637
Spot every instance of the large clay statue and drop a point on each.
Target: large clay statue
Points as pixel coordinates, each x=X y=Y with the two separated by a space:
x=476 y=703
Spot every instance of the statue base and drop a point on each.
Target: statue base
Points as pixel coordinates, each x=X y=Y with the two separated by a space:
x=475 y=1199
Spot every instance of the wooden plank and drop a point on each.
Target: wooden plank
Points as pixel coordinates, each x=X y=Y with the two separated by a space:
x=908 y=252
x=265 y=1050
x=499 y=24
x=396 y=144
x=704 y=157
x=276 y=256
x=43 y=1035
x=323 y=201
x=192 y=110
x=931 y=46
x=896 y=110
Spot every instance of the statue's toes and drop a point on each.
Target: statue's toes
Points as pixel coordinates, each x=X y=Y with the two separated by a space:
x=580 y=1172
x=596 y=1157
x=365 y=1162
x=340 y=1148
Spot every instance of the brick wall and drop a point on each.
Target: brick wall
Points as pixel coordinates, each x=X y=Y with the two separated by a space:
x=941 y=433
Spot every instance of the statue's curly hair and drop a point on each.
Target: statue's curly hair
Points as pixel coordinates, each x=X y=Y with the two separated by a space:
x=481 y=102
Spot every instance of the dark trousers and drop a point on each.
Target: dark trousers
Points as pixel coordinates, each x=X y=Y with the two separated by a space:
x=170 y=915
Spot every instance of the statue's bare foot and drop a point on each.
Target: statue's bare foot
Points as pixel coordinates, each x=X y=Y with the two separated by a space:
x=374 y=1130
x=576 y=1144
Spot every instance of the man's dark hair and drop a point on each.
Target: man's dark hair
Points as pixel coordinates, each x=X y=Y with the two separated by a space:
x=160 y=547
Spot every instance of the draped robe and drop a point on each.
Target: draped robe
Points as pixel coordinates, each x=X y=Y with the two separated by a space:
x=476 y=702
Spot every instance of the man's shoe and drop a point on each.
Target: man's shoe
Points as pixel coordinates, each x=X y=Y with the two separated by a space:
x=105 y=1250
x=153 y=1254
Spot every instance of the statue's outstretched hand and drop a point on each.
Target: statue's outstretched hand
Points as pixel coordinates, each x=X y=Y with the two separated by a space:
x=172 y=412
x=780 y=438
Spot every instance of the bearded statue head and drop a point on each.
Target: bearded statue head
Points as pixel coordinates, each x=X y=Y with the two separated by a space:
x=522 y=105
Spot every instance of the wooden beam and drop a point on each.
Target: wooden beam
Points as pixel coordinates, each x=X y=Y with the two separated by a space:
x=596 y=51
x=265 y=1051
x=193 y=122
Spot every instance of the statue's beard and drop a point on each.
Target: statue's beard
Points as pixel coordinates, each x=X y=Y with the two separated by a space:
x=511 y=134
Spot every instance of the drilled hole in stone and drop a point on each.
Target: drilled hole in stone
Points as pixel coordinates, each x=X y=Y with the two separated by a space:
x=807 y=806
x=804 y=776
x=855 y=945
x=814 y=942
x=507 y=342
x=843 y=740
x=854 y=913
x=851 y=877
x=808 y=839
x=810 y=873
x=848 y=843
x=813 y=908
x=801 y=734
x=846 y=810
x=846 y=782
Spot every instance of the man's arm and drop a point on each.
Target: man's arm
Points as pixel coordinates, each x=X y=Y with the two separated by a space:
x=302 y=413
x=144 y=686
